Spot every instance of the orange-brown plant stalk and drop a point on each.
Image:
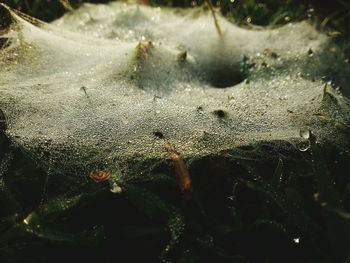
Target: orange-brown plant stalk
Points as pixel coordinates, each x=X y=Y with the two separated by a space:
x=216 y=22
x=181 y=171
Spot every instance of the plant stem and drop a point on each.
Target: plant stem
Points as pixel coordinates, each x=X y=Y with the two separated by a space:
x=216 y=22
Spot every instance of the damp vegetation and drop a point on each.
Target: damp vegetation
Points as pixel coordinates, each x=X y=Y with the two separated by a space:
x=175 y=145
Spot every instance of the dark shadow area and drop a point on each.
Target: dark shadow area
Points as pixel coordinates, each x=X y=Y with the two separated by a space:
x=220 y=76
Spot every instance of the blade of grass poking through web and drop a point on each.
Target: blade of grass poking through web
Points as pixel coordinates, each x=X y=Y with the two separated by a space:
x=216 y=22
x=66 y=5
x=277 y=176
x=155 y=208
x=176 y=227
x=295 y=213
x=337 y=227
x=324 y=182
x=8 y=204
x=148 y=203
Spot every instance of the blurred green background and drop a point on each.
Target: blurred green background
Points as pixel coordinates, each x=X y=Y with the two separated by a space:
x=264 y=12
x=330 y=16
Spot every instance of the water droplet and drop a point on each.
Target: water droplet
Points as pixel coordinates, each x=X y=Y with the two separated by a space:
x=304 y=133
x=116 y=189
x=27 y=220
x=167 y=248
x=316 y=197
x=304 y=146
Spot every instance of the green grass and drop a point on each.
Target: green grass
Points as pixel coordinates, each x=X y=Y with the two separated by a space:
x=240 y=210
